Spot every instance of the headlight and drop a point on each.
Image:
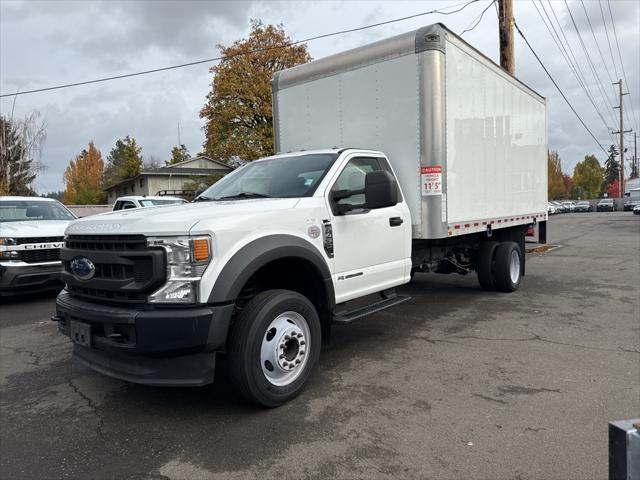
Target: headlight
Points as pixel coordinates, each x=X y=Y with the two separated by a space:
x=187 y=259
x=10 y=255
x=7 y=241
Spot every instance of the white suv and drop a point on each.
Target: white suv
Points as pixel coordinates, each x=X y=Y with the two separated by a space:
x=31 y=235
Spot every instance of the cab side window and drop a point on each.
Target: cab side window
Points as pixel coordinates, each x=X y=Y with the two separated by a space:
x=352 y=178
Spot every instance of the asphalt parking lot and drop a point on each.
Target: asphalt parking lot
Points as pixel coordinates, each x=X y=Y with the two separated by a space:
x=458 y=383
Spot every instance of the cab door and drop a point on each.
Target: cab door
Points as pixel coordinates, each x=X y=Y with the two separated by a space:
x=371 y=246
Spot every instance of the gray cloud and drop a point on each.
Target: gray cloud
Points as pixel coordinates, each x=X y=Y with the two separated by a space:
x=48 y=43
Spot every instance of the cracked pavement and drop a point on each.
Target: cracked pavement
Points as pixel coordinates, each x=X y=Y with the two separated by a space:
x=456 y=384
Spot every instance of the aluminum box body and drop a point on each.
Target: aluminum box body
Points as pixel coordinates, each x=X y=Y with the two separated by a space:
x=467 y=141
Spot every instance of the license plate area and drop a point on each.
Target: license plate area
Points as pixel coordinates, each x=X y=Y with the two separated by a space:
x=80 y=333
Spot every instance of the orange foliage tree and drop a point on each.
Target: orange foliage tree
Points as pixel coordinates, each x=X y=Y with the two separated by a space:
x=238 y=115
x=83 y=178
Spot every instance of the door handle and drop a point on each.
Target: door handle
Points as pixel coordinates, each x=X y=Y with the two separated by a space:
x=395 y=221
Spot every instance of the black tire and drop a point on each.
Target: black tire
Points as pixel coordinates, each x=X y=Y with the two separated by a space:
x=504 y=258
x=484 y=264
x=245 y=342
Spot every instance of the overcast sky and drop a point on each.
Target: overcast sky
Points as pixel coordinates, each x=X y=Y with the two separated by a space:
x=54 y=42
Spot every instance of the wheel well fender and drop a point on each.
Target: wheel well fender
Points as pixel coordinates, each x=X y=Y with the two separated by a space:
x=260 y=252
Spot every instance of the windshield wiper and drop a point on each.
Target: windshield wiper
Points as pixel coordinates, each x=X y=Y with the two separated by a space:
x=244 y=195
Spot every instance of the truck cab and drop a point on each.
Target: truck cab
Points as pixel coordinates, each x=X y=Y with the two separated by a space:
x=255 y=267
x=139 y=201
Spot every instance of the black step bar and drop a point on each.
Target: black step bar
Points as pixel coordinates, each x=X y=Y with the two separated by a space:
x=345 y=318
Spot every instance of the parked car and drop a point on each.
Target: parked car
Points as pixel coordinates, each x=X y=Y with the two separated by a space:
x=636 y=209
x=629 y=204
x=551 y=209
x=560 y=208
x=583 y=206
x=606 y=205
x=31 y=235
x=570 y=206
x=125 y=203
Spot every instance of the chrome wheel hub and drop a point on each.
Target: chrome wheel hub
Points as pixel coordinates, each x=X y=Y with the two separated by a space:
x=514 y=267
x=284 y=349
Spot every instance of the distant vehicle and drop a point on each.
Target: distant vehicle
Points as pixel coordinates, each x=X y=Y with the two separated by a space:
x=636 y=209
x=560 y=208
x=551 y=209
x=570 y=206
x=125 y=203
x=629 y=204
x=606 y=205
x=31 y=235
x=583 y=206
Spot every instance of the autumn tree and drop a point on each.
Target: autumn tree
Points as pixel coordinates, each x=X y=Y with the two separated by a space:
x=611 y=168
x=124 y=161
x=178 y=154
x=555 y=183
x=237 y=112
x=587 y=176
x=83 y=178
x=613 y=189
x=567 y=181
x=21 y=142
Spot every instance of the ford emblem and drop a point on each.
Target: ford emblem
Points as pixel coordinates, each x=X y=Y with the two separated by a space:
x=82 y=268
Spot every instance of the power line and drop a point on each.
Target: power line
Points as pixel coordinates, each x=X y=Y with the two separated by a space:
x=261 y=50
x=567 y=56
x=557 y=87
x=575 y=60
x=594 y=72
x=593 y=34
x=477 y=20
x=624 y=74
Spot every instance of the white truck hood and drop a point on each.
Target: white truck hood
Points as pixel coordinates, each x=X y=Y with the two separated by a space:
x=174 y=219
x=33 y=228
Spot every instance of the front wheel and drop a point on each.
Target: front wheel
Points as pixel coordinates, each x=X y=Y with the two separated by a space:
x=274 y=346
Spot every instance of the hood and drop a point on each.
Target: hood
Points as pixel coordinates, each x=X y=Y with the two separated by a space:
x=34 y=228
x=174 y=219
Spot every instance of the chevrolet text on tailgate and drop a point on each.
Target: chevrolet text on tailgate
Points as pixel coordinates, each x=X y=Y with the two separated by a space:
x=269 y=258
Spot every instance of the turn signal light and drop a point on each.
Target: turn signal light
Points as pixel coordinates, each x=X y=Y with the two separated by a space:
x=201 y=249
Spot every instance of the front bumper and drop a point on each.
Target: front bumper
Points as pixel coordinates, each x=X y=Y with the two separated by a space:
x=152 y=346
x=20 y=277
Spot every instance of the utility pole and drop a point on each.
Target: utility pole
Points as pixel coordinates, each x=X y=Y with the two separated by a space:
x=505 y=27
x=621 y=132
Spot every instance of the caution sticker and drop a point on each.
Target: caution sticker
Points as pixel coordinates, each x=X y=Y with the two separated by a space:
x=431 y=180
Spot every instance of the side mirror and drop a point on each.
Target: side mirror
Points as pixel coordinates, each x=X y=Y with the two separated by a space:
x=380 y=189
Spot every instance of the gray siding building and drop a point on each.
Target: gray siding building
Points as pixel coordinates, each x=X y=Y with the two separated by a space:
x=172 y=177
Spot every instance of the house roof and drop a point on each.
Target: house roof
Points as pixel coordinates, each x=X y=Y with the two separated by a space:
x=199 y=157
x=176 y=170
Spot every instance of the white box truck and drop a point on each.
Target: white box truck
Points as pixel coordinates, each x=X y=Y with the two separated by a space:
x=412 y=154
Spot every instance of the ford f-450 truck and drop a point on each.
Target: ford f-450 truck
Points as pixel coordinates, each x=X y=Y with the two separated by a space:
x=440 y=167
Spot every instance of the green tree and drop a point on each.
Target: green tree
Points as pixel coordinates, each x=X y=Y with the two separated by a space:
x=611 y=168
x=555 y=182
x=588 y=176
x=20 y=146
x=178 y=154
x=124 y=161
x=238 y=111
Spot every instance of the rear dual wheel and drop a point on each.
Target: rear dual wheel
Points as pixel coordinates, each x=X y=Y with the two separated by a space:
x=499 y=266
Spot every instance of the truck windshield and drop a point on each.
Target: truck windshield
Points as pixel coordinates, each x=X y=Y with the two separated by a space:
x=24 y=210
x=279 y=177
